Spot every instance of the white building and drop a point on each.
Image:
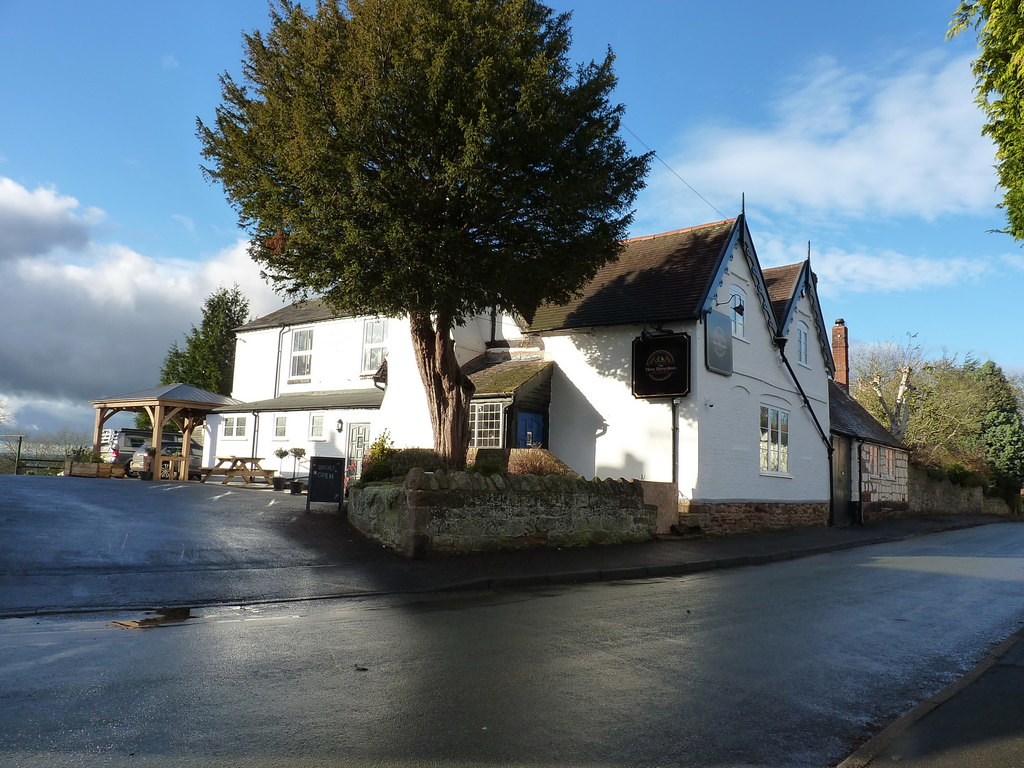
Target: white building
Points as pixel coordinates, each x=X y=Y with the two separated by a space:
x=749 y=426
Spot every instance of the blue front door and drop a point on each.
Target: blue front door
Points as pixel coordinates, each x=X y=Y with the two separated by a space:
x=530 y=430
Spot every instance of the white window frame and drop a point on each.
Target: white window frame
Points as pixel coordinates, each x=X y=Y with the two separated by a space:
x=494 y=412
x=774 y=440
x=738 y=298
x=300 y=365
x=802 y=343
x=235 y=427
x=375 y=348
x=322 y=433
x=280 y=426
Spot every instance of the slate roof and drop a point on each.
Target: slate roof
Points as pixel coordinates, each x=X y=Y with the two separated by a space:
x=658 y=278
x=782 y=283
x=503 y=378
x=368 y=397
x=180 y=392
x=299 y=313
x=850 y=418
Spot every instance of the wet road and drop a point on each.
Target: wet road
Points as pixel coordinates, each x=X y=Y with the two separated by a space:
x=788 y=664
x=69 y=543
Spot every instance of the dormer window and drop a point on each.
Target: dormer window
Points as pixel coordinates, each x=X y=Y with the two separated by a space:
x=302 y=353
x=737 y=310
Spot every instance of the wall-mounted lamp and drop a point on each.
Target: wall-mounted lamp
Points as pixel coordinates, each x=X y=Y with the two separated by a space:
x=340 y=425
x=737 y=308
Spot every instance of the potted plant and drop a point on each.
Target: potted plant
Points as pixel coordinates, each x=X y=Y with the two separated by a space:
x=296 y=484
x=280 y=483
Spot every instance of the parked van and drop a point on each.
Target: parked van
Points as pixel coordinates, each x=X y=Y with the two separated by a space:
x=119 y=445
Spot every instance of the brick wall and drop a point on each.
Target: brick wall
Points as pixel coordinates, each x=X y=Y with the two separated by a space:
x=469 y=512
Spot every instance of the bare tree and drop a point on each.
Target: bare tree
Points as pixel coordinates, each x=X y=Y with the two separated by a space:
x=883 y=380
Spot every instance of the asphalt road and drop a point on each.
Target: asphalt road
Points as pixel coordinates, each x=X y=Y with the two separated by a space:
x=788 y=664
x=73 y=543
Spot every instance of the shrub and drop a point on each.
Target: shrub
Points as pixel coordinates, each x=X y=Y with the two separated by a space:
x=383 y=461
x=961 y=475
x=407 y=458
x=537 y=461
x=85 y=453
x=377 y=456
x=487 y=466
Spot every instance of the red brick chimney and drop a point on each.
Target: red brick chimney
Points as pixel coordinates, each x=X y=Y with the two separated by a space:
x=841 y=354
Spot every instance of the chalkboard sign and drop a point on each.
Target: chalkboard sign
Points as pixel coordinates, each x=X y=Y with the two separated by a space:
x=326 y=480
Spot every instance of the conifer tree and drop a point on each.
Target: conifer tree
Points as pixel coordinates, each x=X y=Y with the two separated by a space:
x=425 y=158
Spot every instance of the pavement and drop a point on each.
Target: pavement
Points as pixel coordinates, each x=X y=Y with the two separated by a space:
x=977 y=721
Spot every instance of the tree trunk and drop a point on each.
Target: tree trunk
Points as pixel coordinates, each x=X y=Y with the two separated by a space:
x=448 y=389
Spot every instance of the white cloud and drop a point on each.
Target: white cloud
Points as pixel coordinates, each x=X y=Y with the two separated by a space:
x=844 y=271
x=169 y=61
x=841 y=144
x=87 y=319
x=37 y=222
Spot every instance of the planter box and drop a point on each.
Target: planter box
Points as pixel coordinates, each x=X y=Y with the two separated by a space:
x=92 y=469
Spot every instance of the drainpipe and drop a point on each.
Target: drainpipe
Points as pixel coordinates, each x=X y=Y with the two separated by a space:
x=277 y=373
x=255 y=431
x=675 y=441
x=780 y=342
x=860 y=482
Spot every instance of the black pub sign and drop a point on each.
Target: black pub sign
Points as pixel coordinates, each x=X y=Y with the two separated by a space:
x=661 y=365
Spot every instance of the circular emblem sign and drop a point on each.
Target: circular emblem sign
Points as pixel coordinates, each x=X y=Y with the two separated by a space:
x=719 y=342
x=660 y=365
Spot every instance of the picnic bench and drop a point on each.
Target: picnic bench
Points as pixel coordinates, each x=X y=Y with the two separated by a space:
x=246 y=467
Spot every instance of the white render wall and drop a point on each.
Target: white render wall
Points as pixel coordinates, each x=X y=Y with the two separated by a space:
x=597 y=427
x=600 y=429
x=729 y=466
x=263 y=363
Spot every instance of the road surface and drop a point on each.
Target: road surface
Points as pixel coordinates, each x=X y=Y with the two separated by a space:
x=789 y=664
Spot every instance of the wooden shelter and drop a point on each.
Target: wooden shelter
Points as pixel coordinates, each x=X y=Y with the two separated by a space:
x=184 y=405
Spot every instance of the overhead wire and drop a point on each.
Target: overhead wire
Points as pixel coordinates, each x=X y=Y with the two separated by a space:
x=673 y=170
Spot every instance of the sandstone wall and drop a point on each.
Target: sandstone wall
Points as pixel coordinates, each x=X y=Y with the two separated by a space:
x=728 y=519
x=469 y=512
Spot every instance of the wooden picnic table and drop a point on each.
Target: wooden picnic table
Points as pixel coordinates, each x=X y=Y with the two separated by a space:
x=246 y=467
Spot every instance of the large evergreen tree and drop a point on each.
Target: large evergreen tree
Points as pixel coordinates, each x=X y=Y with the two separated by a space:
x=1002 y=432
x=999 y=70
x=207 y=360
x=428 y=158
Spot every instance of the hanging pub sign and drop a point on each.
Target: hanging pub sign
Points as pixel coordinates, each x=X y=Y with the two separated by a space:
x=718 y=343
x=661 y=365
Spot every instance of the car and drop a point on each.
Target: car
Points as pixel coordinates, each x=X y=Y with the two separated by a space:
x=119 y=445
x=168 y=448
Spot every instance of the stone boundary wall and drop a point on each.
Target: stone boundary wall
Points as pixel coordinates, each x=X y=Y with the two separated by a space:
x=729 y=519
x=470 y=512
x=931 y=496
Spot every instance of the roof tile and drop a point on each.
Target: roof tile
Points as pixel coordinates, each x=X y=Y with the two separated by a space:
x=657 y=278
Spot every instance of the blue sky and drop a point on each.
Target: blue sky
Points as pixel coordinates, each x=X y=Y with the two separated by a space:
x=849 y=125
